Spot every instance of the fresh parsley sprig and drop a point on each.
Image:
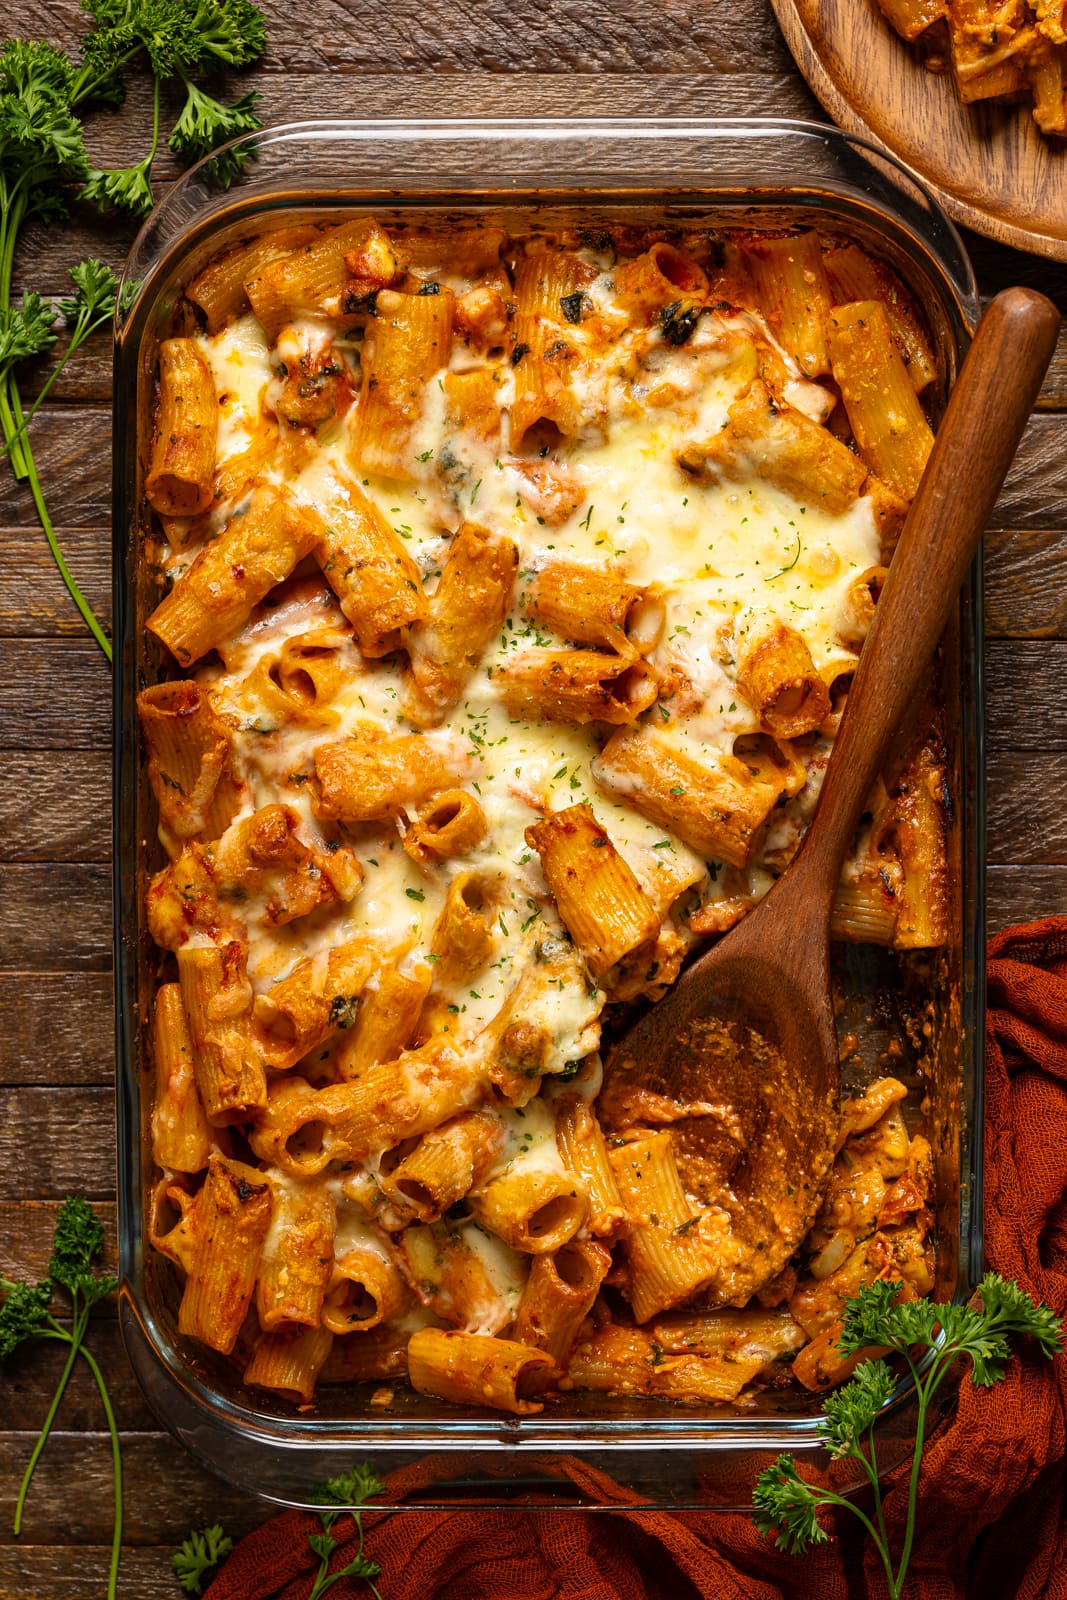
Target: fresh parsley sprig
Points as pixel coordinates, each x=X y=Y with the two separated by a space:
x=76 y=1242
x=788 y=1506
x=352 y=1488
x=198 y=1554
x=44 y=164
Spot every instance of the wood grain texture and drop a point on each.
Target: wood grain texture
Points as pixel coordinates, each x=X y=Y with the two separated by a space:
x=34 y=602
x=64 y=1569
x=71 y=815
x=79 y=719
x=26 y=1238
x=30 y=1381
x=1026 y=816
x=1026 y=584
x=160 y=1506
x=54 y=1142
x=57 y=1028
x=413 y=36
x=1019 y=894
x=987 y=163
x=72 y=448
x=1023 y=679
x=57 y=918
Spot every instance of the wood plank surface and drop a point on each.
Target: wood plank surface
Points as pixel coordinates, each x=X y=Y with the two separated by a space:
x=334 y=58
x=57 y=917
x=57 y=1028
x=420 y=36
x=34 y=603
x=70 y=817
x=69 y=1570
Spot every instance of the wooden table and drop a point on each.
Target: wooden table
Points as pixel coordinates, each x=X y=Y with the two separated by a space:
x=345 y=58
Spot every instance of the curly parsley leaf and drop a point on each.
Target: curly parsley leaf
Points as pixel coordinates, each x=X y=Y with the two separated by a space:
x=23 y=1313
x=198 y=1554
x=786 y=1506
x=205 y=123
x=848 y=1412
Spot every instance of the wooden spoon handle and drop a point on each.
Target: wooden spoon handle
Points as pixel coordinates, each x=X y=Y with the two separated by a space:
x=973 y=449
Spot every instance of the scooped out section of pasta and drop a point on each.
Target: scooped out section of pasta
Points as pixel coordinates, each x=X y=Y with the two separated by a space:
x=514 y=587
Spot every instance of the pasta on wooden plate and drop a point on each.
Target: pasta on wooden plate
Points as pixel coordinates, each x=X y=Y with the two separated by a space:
x=514 y=586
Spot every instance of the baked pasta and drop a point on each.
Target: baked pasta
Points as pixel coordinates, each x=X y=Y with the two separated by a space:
x=996 y=48
x=513 y=587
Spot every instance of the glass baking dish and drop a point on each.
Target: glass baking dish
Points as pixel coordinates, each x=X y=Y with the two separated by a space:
x=586 y=1450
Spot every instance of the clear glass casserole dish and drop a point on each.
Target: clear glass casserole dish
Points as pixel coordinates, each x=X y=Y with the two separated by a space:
x=587 y=1450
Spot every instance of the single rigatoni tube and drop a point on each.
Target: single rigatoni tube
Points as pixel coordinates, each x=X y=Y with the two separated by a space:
x=777 y=676
x=600 y=902
x=663 y=278
x=891 y=430
x=181 y=1138
x=232 y=1214
x=408 y=341
x=372 y=775
x=218 y=1004
x=587 y=606
x=463 y=935
x=314 y=279
x=466 y=611
x=297 y=1253
x=387 y=1017
x=365 y=1289
x=288 y=1362
x=854 y=275
x=258 y=548
x=423 y=1177
x=363 y=559
x=542 y=354
x=718 y=811
x=449 y=825
x=477 y=1369
x=668 y=1259
x=531 y=1208
x=180 y=472
x=189 y=750
x=559 y=1295
x=791 y=285
x=584 y=1151
x=575 y=686
x=776 y=441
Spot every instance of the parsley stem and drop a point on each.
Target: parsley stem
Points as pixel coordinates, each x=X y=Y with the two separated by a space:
x=116 y=1464
x=879 y=1516
x=828 y=1498
x=57 y=555
x=73 y=1338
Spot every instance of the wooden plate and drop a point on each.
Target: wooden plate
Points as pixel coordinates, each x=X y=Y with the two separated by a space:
x=987 y=163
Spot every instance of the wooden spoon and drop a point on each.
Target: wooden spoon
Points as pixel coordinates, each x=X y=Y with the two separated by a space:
x=741 y=1055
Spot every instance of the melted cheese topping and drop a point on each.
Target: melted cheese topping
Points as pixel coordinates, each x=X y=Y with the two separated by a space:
x=714 y=552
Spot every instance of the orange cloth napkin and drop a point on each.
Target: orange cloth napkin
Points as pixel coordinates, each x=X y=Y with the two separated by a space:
x=993 y=1502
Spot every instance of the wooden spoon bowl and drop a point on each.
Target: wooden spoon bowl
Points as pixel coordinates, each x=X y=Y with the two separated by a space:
x=740 y=1057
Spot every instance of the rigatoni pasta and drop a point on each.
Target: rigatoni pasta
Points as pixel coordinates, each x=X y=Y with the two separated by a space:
x=515 y=586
